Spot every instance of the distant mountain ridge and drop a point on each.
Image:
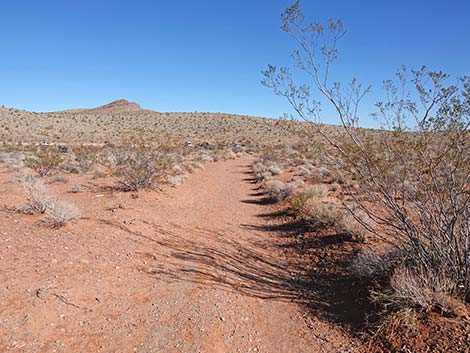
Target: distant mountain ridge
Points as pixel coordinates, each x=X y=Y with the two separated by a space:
x=118 y=106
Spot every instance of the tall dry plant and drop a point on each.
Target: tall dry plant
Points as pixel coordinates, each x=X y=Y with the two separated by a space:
x=142 y=167
x=414 y=173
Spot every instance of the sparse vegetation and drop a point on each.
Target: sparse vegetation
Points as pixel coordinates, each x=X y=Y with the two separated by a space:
x=366 y=230
x=44 y=160
x=142 y=167
x=412 y=181
x=278 y=190
x=60 y=213
x=86 y=157
x=75 y=188
x=37 y=196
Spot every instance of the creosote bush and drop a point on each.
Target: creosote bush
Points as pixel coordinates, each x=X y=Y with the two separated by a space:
x=142 y=167
x=86 y=157
x=44 y=160
x=413 y=176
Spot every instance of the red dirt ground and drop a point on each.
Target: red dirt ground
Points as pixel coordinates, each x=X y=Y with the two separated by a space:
x=203 y=267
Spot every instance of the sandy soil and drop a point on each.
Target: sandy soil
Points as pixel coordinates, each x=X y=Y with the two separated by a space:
x=193 y=269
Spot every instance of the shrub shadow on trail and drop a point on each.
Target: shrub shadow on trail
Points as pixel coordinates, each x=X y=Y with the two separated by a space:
x=220 y=259
x=322 y=257
x=278 y=259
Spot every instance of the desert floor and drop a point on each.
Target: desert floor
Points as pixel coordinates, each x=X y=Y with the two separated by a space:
x=197 y=268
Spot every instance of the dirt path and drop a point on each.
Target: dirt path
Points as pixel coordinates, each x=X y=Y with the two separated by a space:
x=194 y=269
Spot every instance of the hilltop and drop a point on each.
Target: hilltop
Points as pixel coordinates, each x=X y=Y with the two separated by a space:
x=117 y=106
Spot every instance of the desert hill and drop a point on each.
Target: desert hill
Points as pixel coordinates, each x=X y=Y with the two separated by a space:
x=118 y=106
x=121 y=120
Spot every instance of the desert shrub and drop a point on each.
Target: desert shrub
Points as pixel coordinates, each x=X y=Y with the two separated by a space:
x=354 y=224
x=191 y=166
x=115 y=155
x=321 y=212
x=413 y=176
x=142 y=168
x=278 y=190
x=230 y=155
x=417 y=287
x=297 y=202
x=69 y=167
x=275 y=169
x=316 y=190
x=374 y=266
x=264 y=169
x=86 y=157
x=261 y=171
x=44 y=160
x=37 y=196
x=203 y=157
x=175 y=180
x=60 y=179
x=59 y=214
x=263 y=176
x=178 y=169
x=258 y=166
x=75 y=188
x=324 y=172
x=299 y=199
x=305 y=172
x=297 y=183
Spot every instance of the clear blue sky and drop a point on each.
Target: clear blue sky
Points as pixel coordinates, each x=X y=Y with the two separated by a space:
x=205 y=55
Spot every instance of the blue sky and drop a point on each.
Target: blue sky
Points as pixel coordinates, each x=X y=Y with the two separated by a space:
x=206 y=55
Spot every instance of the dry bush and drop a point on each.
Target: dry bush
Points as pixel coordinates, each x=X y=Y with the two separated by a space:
x=191 y=166
x=204 y=157
x=297 y=202
x=260 y=169
x=175 y=180
x=142 y=167
x=75 y=189
x=44 y=160
x=59 y=214
x=321 y=212
x=430 y=291
x=264 y=169
x=395 y=324
x=230 y=155
x=297 y=183
x=316 y=190
x=353 y=224
x=413 y=176
x=60 y=179
x=37 y=196
x=263 y=176
x=324 y=172
x=305 y=172
x=375 y=266
x=275 y=169
x=299 y=199
x=86 y=157
x=278 y=190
